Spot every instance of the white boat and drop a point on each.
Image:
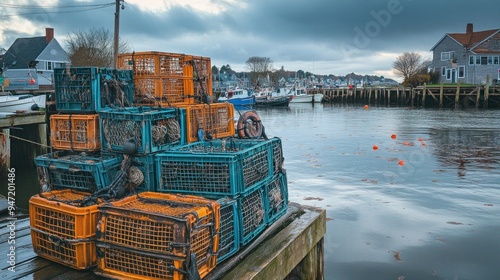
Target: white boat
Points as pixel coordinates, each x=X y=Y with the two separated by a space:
x=300 y=96
x=21 y=103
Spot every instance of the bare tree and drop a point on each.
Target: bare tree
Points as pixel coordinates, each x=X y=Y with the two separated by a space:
x=93 y=47
x=259 y=67
x=409 y=64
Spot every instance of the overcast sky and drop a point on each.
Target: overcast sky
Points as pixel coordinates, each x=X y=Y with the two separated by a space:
x=319 y=36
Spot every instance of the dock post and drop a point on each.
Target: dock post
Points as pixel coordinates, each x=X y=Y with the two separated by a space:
x=369 y=96
x=397 y=96
x=4 y=150
x=441 y=95
x=388 y=97
x=424 y=93
x=478 y=96
x=412 y=97
x=457 y=97
x=486 y=91
x=42 y=132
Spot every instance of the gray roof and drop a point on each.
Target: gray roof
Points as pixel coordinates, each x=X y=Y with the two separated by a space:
x=23 y=51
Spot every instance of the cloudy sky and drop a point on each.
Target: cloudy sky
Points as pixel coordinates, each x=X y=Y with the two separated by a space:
x=319 y=36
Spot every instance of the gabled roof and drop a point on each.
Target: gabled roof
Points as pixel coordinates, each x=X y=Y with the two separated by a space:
x=469 y=40
x=23 y=51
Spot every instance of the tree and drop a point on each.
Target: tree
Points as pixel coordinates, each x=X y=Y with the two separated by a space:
x=408 y=65
x=259 y=67
x=93 y=47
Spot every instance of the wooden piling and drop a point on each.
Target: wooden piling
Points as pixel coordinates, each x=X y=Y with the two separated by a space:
x=478 y=96
x=486 y=91
x=441 y=95
x=457 y=97
x=4 y=150
x=424 y=93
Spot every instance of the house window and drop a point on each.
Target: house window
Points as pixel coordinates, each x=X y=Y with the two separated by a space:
x=443 y=71
x=48 y=65
x=490 y=60
x=495 y=60
x=471 y=60
x=447 y=55
x=478 y=60
x=461 y=71
x=484 y=60
x=448 y=74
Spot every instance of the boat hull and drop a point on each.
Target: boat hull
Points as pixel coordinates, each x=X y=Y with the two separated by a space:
x=14 y=103
x=246 y=101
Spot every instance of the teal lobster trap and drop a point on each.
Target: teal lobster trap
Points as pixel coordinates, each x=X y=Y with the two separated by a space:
x=78 y=171
x=90 y=89
x=142 y=130
x=217 y=168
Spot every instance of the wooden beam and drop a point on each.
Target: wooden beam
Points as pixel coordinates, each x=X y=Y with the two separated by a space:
x=441 y=95
x=277 y=257
x=4 y=150
x=22 y=119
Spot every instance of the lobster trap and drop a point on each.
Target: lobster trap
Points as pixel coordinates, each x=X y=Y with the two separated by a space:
x=229 y=233
x=168 y=79
x=276 y=197
x=89 y=89
x=78 y=171
x=215 y=120
x=62 y=230
x=215 y=168
x=75 y=132
x=159 y=225
x=252 y=214
x=140 y=172
x=142 y=130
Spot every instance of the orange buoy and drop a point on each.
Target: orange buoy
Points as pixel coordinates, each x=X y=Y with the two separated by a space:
x=406 y=143
x=401 y=162
x=393 y=136
x=423 y=144
x=420 y=139
x=375 y=147
x=366 y=106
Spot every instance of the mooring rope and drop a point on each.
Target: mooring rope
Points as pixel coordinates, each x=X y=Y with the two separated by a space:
x=26 y=140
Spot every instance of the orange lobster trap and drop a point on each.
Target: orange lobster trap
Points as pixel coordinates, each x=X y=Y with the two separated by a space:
x=216 y=120
x=75 y=132
x=173 y=233
x=62 y=229
x=168 y=79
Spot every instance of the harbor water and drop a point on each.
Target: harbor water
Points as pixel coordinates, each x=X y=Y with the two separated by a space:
x=422 y=204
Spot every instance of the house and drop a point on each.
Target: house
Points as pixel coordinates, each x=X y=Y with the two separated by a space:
x=29 y=62
x=468 y=57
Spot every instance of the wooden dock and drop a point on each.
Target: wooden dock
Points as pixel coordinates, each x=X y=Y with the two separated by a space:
x=292 y=248
x=29 y=130
x=435 y=96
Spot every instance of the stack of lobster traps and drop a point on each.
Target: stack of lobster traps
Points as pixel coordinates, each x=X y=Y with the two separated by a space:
x=149 y=179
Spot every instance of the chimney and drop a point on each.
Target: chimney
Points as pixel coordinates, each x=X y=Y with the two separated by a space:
x=470 y=28
x=49 y=34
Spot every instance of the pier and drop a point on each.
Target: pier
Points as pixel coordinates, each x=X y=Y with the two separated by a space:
x=432 y=96
x=28 y=131
x=293 y=249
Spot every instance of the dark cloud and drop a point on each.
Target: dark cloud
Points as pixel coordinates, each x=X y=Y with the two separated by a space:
x=335 y=33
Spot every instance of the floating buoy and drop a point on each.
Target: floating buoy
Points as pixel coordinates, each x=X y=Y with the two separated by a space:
x=375 y=147
x=406 y=143
x=423 y=144
x=393 y=136
x=420 y=139
x=401 y=162
x=32 y=81
x=366 y=106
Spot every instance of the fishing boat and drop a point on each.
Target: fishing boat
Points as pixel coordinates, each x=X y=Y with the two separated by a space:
x=274 y=101
x=300 y=96
x=238 y=97
x=10 y=103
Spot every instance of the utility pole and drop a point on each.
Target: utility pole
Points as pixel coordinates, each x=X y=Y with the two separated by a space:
x=117 y=31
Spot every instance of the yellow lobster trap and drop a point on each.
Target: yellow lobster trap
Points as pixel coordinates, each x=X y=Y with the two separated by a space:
x=63 y=228
x=158 y=236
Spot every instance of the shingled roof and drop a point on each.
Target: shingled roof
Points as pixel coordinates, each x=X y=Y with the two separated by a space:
x=470 y=39
x=23 y=51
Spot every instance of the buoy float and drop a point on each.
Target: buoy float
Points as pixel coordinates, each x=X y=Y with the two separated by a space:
x=375 y=147
x=406 y=143
x=420 y=139
x=366 y=106
x=401 y=162
x=393 y=136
